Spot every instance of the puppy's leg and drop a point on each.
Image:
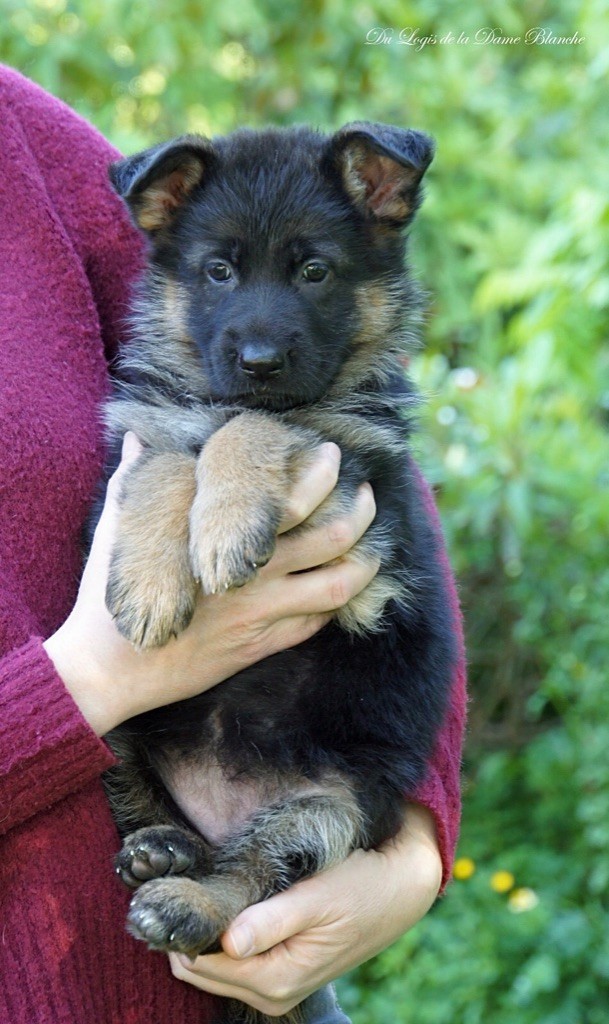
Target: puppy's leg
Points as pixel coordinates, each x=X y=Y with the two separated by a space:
x=156 y=838
x=151 y=590
x=279 y=845
x=243 y=479
x=244 y=475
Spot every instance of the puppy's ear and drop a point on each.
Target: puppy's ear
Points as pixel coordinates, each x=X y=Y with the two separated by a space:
x=157 y=181
x=380 y=168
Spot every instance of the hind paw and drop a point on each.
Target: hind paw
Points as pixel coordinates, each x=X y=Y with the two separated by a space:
x=173 y=913
x=157 y=852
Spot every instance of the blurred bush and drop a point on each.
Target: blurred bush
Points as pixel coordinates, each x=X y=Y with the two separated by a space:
x=512 y=247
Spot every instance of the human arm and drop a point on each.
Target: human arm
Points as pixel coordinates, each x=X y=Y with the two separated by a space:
x=111 y=681
x=86 y=678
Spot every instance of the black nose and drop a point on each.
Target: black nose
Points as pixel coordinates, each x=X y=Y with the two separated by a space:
x=261 y=360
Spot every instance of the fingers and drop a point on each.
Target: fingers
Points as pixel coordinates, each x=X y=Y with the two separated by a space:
x=315 y=484
x=325 y=589
x=324 y=543
x=272 y=983
x=130 y=452
x=264 y=925
x=104 y=532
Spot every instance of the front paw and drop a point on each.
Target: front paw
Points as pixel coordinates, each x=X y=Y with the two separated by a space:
x=156 y=852
x=228 y=546
x=149 y=605
x=174 y=913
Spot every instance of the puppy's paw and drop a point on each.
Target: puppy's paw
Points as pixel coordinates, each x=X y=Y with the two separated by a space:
x=175 y=913
x=228 y=546
x=156 y=852
x=149 y=604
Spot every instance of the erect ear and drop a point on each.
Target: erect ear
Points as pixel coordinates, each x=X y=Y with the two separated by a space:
x=157 y=181
x=381 y=168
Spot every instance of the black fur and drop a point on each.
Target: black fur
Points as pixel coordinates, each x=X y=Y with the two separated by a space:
x=360 y=705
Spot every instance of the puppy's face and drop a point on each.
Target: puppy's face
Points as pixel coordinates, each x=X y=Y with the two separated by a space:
x=278 y=253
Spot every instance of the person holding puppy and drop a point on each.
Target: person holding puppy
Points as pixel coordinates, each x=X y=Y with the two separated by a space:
x=67 y=676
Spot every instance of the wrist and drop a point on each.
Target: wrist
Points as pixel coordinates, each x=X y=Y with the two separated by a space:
x=98 y=702
x=416 y=850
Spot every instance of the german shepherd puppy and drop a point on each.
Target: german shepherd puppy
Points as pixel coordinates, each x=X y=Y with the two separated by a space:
x=274 y=315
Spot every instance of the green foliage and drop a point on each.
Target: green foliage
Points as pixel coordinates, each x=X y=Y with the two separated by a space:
x=512 y=246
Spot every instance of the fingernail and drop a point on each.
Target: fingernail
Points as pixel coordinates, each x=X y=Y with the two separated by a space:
x=242 y=940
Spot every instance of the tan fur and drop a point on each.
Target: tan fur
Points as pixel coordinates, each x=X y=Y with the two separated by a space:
x=161 y=200
x=176 y=308
x=151 y=590
x=161 y=346
x=375 y=181
x=354 y=157
x=377 y=340
x=364 y=612
x=243 y=479
x=350 y=430
x=380 y=311
x=164 y=428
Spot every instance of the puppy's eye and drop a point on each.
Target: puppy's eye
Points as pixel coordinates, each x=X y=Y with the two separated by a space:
x=315 y=271
x=219 y=271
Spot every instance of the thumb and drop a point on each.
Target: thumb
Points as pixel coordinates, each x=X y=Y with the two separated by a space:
x=103 y=538
x=131 y=450
x=264 y=925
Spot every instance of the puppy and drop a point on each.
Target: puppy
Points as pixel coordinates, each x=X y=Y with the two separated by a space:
x=274 y=315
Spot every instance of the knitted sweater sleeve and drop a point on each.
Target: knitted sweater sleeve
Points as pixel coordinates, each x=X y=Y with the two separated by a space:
x=440 y=790
x=47 y=749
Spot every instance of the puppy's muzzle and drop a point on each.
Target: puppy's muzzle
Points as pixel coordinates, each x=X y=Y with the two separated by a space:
x=260 y=360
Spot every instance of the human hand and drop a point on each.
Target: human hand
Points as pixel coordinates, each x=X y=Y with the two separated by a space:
x=111 y=681
x=278 y=952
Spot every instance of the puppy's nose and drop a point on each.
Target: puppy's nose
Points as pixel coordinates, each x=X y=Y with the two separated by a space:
x=261 y=360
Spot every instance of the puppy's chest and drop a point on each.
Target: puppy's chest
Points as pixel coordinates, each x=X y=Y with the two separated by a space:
x=212 y=801
x=218 y=803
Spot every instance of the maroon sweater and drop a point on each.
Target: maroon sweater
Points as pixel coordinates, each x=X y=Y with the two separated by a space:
x=67 y=256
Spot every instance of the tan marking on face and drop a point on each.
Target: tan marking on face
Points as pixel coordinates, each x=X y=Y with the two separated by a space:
x=175 y=303
x=378 y=313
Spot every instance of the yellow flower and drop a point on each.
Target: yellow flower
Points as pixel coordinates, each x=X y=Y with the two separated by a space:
x=502 y=881
x=464 y=868
x=522 y=899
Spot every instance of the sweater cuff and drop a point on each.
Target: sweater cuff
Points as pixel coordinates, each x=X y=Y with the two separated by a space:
x=47 y=749
x=432 y=795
